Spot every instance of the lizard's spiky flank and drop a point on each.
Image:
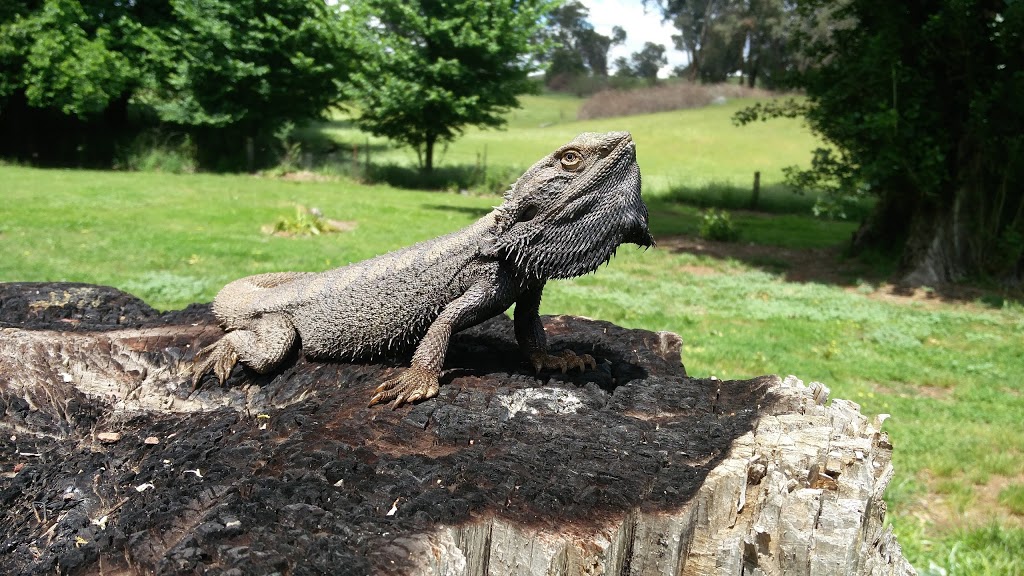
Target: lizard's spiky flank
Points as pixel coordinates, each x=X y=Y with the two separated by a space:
x=563 y=217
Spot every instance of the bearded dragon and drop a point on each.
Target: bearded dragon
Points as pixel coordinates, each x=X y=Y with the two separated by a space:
x=562 y=218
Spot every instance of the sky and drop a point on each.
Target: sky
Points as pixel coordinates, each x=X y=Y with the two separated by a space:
x=642 y=24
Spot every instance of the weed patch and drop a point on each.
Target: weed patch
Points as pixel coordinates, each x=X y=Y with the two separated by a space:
x=717 y=225
x=307 y=222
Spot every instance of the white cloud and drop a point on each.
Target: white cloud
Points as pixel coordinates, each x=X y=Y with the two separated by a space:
x=642 y=24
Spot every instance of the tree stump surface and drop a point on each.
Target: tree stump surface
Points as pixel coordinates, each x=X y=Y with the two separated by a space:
x=111 y=464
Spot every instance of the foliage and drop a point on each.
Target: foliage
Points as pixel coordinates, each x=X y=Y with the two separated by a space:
x=717 y=225
x=578 y=55
x=290 y=147
x=53 y=61
x=251 y=64
x=80 y=79
x=428 y=69
x=835 y=180
x=921 y=103
x=722 y=37
x=643 y=64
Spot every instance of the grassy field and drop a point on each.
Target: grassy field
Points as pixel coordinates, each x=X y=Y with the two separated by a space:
x=950 y=373
x=688 y=149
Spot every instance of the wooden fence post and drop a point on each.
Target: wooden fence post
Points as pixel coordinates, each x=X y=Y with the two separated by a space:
x=755 y=198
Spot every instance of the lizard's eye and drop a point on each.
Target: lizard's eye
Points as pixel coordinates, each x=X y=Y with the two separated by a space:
x=572 y=160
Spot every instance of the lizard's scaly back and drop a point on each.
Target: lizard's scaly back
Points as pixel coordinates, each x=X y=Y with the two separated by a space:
x=568 y=213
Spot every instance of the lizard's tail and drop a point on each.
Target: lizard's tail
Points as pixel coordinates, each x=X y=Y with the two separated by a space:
x=237 y=298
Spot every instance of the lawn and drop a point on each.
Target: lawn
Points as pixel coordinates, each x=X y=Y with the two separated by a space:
x=682 y=149
x=950 y=373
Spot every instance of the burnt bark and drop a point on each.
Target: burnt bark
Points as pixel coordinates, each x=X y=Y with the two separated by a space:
x=110 y=463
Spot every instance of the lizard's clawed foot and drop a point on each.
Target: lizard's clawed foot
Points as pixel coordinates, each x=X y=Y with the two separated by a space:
x=414 y=384
x=220 y=357
x=564 y=361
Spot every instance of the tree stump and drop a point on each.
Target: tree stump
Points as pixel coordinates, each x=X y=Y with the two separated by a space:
x=111 y=464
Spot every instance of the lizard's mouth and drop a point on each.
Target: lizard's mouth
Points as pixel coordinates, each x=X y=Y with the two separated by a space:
x=634 y=209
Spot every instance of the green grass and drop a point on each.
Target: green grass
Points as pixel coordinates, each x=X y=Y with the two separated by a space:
x=681 y=149
x=1013 y=498
x=172 y=239
x=951 y=375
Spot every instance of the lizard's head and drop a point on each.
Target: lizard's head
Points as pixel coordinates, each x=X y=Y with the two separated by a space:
x=568 y=213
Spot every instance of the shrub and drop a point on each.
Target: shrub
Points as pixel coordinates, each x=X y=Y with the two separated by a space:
x=718 y=225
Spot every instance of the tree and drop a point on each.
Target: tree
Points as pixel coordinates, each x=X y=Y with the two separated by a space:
x=921 y=104
x=722 y=37
x=576 y=49
x=242 y=68
x=78 y=77
x=429 y=68
x=66 y=71
x=643 y=64
x=694 y=20
x=768 y=27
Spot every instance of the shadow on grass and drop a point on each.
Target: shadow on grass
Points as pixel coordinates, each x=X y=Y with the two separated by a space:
x=440 y=178
x=468 y=210
x=872 y=274
x=315 y=139
x=771 y=199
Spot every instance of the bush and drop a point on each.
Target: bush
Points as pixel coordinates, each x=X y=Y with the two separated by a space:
x=718 y=225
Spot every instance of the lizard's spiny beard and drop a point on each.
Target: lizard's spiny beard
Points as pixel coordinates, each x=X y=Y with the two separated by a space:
x=559 y=225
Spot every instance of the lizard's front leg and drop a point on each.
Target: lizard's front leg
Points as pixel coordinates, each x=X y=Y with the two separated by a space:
x=420 y=381
x=533 y=343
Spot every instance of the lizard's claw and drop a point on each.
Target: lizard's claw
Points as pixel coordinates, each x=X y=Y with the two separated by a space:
x=414 y=384
x=564 y=361
x=220 y=357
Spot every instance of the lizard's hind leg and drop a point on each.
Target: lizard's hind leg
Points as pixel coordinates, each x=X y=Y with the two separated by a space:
x=261 y=345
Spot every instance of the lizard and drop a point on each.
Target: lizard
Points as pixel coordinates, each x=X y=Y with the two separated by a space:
x=563 y=218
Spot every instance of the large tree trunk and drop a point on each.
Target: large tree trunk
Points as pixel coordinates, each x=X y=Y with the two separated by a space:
x=966 y=231
x=937 y=248
x=111 y=464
